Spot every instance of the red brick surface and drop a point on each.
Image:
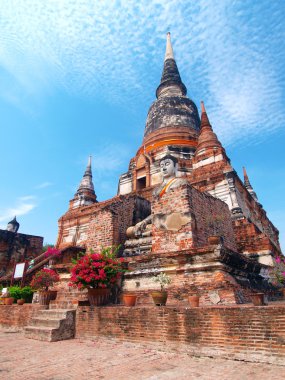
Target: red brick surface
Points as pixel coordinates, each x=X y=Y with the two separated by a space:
x=209 y=215
x=16 y=316
x=240 y=332
x=108 y=359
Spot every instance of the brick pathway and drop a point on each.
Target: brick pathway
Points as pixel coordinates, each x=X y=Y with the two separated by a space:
x=27 y=359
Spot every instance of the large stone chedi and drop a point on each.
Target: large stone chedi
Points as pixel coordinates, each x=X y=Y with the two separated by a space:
x=180 y=190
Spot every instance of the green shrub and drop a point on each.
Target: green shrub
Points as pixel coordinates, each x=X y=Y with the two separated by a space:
x=17 y=293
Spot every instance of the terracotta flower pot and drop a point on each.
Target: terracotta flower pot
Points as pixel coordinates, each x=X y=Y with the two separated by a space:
x=159 y=297
x=257 y=299
x=98 y=296
x=21 y=301
x=214 y=240
x=193 y=301
x=45 y=297
x=8 y=300
x=53 y=294
x=129 y=299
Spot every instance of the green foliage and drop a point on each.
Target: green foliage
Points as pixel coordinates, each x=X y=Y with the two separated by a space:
x=78 y=257
x=17 y=293
x=110 y=252
x=163 y=280
x=46 y=246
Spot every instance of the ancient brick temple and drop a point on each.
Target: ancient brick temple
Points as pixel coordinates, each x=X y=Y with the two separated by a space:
x=170 y=230
x=16 y=247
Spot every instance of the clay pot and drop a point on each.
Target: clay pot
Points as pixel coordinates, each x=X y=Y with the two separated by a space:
x=257 y=299
x=159 y=297
x=214 y=240
x=53 y=294
x=129 y=299
x=193 y=300
x=99 y=296
x=8 y=300
x=21 y=301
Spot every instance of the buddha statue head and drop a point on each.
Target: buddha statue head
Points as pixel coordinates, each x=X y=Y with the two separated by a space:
x=13 y=226
x=168 y=166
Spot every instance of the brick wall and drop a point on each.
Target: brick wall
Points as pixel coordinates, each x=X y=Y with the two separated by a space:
x=251 y=240
x=109 y=224
x=239 y=332
x=16 y=248
x=207 y=216
x=15 y=316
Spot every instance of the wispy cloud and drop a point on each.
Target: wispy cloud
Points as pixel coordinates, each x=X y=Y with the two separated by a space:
x=108 y=49
x=43 y=185
x=23 y=206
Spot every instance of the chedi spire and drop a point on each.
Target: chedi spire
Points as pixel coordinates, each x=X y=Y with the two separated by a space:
x=207 y=138
x=170 y=80
x=85 y=193
x=13 y=225
x=248 y=186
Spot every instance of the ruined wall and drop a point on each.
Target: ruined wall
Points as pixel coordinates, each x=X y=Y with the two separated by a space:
x=16 y=248
x=108 y=225
x=184 y=218
x=241 y=332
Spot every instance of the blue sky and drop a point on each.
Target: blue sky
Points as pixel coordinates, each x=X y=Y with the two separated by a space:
x=77 y=78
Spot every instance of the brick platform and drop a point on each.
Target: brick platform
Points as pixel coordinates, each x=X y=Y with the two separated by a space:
x=15 y=317
x=237 y=332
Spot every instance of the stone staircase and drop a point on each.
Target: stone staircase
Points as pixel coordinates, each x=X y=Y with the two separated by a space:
x=58 y=321
x=52 y=325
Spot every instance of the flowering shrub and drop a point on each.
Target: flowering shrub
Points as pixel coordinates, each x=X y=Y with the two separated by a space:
x=44 y=278
x=278 y=271
x=52 y=253
x=96 y=270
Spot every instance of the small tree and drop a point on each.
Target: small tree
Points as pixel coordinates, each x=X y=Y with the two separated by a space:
x=163 y=280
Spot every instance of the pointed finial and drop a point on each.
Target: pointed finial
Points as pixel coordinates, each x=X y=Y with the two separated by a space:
x=248 y=186
x=170 y=78
x=169 y=51
x=245 y=174
x=89 y=161
x=204 y=117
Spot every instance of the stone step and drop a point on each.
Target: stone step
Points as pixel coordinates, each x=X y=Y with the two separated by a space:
x=63 y=305
x=42 y=322
x=39 y=333
x=56 y=313
x=52 y=325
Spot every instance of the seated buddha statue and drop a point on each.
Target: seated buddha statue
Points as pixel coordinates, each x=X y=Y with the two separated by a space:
x=140 y=234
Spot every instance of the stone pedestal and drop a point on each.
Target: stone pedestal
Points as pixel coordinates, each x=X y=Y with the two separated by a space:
x=184 y=218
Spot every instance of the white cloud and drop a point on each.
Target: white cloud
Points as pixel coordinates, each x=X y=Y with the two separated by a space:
x=228 y=53
x=43 y=185
x=23 y=206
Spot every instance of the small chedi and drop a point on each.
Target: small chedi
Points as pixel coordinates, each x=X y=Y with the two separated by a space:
x=181 y=209
x=17 y=247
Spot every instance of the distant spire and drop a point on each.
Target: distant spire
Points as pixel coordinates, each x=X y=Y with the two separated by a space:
x=207 y=138
x=86 y=186
x=248 y=186
x=170 y=78
x=246 y=180
x=13 y=225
